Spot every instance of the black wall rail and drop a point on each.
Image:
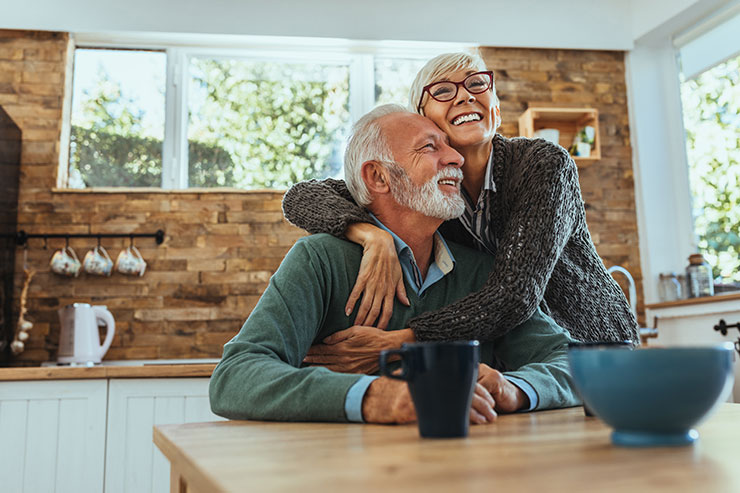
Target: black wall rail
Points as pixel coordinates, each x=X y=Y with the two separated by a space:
x=21 y=238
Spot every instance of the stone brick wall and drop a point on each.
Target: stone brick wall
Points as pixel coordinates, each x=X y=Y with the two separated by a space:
x=221 y=247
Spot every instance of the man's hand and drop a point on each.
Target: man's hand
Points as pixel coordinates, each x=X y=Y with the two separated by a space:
x=481 y=412
x=388 y=401
x=356 y=350
x=507 y=396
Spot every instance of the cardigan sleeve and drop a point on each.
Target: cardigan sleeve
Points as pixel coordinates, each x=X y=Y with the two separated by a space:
x=547 y=200
x=323 y=206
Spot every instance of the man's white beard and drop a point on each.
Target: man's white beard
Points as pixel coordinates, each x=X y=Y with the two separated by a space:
x=428 y=199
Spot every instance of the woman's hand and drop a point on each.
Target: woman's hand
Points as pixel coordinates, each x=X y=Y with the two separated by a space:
x=507 y=396
x=356 y=350
x=380 y=278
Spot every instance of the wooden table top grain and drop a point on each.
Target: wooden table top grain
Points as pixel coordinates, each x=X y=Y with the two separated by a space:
x=558 y=450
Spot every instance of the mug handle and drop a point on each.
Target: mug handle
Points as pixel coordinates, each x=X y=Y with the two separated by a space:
x=141 y=259
x=105 y=253
x=136 y=251
x=405 y=369
x=69 y=250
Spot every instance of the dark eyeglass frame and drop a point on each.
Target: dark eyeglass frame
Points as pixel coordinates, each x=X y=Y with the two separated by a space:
x=426 y=88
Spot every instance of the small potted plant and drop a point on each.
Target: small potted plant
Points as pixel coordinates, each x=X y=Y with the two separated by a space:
x=583 y=142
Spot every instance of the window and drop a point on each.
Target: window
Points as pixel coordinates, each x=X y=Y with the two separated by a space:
x=393 y=78
x=261 y=117
x=118 y=108
x=710 y=94
x=262 y=124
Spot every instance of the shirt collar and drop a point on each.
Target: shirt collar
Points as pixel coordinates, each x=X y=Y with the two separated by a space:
x=442 y=264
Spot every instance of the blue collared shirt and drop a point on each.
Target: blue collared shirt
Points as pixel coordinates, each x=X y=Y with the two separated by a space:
x=442 y=264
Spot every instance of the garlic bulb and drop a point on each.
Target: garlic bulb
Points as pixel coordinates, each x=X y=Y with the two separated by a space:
x=16 y=347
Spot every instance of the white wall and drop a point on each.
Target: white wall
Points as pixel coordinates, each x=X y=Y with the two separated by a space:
x=651 y=14
x=659 y=161
x=585 y=24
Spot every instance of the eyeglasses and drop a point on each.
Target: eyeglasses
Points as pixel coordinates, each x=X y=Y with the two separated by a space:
x=446 y=90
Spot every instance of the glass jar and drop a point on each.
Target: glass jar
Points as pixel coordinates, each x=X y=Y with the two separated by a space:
x=699 y=277
x=669 y=287
x=684 y=285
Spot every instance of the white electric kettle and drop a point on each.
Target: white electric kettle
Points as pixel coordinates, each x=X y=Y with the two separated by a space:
x=79 y=340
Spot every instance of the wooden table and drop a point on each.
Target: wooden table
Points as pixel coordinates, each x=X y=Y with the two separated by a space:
x=559 y=450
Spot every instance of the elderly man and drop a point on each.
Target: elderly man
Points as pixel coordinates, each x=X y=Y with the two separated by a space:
x=400 y=167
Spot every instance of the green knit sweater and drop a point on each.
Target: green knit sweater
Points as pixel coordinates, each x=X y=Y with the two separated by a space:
x=260 y=374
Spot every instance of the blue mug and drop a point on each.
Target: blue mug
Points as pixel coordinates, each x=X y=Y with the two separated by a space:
x=441 y=377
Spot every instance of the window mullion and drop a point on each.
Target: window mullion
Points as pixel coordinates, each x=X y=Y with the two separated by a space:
x=182 y=120
x=169 y=152
x=175 y=149
x=361 y=86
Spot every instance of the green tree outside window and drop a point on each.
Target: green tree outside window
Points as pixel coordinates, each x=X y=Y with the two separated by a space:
x=711 y=106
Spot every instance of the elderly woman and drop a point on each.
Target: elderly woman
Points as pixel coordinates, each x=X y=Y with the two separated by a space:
x=523 y=206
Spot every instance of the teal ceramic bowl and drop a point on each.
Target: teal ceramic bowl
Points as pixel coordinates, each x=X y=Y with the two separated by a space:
x=652 y=396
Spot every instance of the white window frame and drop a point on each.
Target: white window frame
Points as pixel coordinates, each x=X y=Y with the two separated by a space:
x=660 y=162
x=358 y=56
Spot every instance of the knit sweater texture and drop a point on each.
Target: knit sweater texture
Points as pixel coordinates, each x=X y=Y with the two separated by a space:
x=545 y=256
x=261 y=376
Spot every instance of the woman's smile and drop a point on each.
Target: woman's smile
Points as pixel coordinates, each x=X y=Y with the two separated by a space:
x=466 y=118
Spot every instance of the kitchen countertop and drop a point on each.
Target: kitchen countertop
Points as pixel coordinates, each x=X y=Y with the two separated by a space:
x=718 y=298
x=113 y=369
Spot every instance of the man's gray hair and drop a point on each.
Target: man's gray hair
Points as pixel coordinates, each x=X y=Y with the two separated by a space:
x=367 y=143
x=438 y=68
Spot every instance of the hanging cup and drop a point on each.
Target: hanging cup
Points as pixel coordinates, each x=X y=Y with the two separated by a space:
x=130 y=262
x=65 y=262
x=98 y=262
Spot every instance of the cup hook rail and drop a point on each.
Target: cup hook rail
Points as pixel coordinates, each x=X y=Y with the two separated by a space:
x=21 y=237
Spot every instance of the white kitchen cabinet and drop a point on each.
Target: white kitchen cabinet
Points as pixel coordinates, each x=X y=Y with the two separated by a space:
x=52 y=436
x=686 y=324
x=133 y=463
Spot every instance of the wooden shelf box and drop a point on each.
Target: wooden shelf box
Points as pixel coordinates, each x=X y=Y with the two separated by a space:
x=568 y=121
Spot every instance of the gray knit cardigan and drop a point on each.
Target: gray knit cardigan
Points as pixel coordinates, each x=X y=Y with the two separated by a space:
x=544 y=256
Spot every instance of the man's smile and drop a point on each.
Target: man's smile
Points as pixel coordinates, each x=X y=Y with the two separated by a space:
x=450 y=182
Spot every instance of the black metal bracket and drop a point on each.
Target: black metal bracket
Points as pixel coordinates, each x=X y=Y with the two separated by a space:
x=21 y=238
x=722 y=327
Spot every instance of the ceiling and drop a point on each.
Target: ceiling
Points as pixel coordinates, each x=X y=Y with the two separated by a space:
x=585 y=24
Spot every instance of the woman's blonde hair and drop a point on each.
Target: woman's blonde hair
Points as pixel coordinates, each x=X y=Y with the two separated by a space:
x=440 y=66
